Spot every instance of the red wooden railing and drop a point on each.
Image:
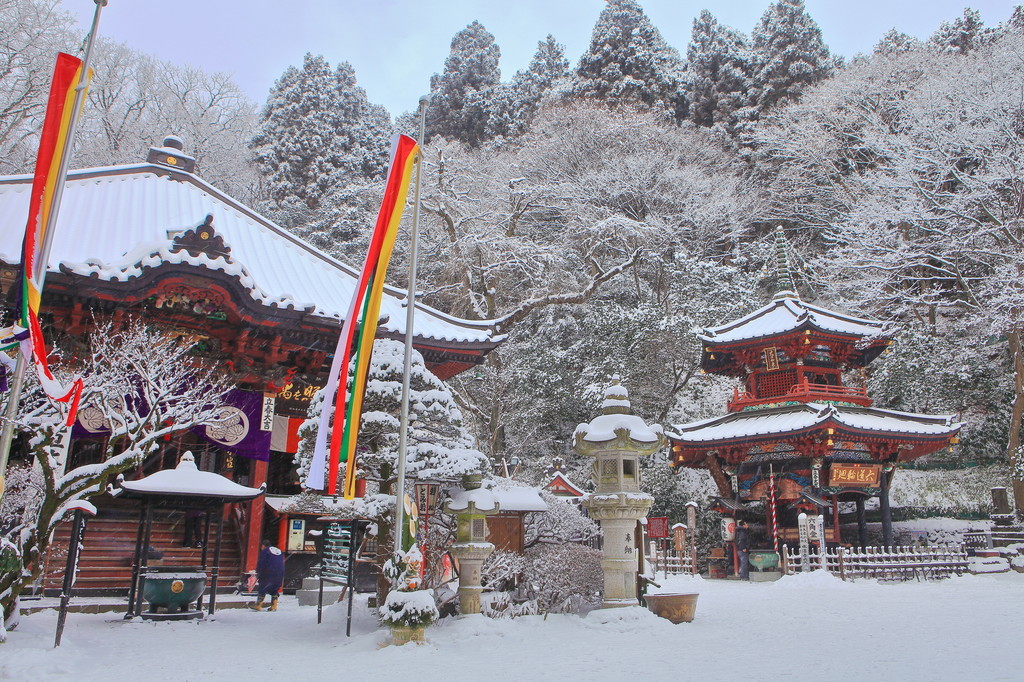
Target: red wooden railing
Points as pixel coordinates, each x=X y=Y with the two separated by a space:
x=804 y=392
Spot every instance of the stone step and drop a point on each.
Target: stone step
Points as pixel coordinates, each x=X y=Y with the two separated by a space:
x=309 y=597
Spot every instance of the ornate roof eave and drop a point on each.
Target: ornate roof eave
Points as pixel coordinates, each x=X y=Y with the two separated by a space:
x=827 y=417
x=136 y=284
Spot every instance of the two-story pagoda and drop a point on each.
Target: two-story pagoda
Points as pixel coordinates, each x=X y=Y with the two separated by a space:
x=794 y=428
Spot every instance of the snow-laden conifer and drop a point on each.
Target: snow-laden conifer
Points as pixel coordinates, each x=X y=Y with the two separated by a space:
x=460 y=96
x=628 y=62
x=789 y=54
x=718 y=71
x=515 y=103
x=317 y=132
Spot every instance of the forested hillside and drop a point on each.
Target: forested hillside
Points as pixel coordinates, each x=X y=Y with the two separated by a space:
x=601 y=207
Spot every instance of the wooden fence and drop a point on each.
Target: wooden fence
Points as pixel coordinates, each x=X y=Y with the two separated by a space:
x=670 y=561
x=893 y=563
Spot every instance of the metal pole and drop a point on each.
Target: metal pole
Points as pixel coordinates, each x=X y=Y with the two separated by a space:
x=18 y=381
x=70 y=572
x=410 y=300
x=215 y=571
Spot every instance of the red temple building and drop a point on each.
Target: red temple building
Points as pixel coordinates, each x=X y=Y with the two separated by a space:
x=794 y=425
x=153 y=241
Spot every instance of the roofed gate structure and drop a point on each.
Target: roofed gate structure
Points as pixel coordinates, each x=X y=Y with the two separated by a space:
x=794 y=423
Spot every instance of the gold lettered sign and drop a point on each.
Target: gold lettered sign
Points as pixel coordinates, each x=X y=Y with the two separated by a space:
x=296 y=396
x=771 y=358
x=855 y=475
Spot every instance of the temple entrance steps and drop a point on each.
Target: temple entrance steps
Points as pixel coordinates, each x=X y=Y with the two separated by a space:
x=105 y=564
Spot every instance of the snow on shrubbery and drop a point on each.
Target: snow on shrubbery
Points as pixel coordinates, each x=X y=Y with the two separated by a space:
x=409 y=608
x=563 y=578
x=953 y=492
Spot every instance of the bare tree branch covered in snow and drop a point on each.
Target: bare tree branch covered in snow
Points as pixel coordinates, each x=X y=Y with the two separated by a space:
x=145 y=384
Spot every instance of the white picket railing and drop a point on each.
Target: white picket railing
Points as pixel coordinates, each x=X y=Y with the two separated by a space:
x=672 y=562
x=893 y=563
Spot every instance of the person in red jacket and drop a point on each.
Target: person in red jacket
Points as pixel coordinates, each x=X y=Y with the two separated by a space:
x=270 y=574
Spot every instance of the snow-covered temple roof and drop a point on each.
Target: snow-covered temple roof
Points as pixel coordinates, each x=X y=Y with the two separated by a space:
x=504 y=498
x=188 y=481
x=116 y=221
x=787 y=314
x=793 y=419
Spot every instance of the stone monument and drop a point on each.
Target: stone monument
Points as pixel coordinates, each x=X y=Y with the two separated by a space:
x=617 y=439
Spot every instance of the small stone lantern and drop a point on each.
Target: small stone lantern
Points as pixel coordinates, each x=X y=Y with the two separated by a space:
x=471 y=506
x=617 y=439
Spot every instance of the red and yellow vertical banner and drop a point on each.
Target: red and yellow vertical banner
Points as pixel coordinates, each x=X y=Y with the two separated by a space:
x=53 y=140
x=356 y=342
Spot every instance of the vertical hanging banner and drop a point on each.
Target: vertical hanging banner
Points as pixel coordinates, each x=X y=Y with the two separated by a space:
x=53 y=139
x=355 y=345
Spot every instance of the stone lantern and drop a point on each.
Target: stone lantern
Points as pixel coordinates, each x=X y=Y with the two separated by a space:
x=471 y=506
x=617 y=439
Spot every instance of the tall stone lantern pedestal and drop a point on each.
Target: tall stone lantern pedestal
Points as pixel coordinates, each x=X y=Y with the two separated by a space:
x=471 y=506
x=617 y=439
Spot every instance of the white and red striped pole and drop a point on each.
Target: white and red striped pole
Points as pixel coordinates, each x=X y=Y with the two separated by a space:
x=773 y=507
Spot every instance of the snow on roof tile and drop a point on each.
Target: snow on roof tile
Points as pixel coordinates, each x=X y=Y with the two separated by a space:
x=187 y=479
x=786 y=314
x=795 y=418
x=116 y=219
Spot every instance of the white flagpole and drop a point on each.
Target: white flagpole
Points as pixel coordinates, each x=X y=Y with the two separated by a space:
x=18 y=381
x=410 y=301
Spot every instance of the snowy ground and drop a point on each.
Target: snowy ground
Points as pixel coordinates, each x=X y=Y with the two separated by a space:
x=807 y=626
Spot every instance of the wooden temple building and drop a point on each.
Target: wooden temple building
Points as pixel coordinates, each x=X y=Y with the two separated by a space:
x=794 y=427
x=153 y=241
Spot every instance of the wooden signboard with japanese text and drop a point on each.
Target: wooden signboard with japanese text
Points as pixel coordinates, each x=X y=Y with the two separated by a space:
x=855 y=475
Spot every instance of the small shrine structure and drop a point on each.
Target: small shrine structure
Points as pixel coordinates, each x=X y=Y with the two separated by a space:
x=797 y=437
x=617 y=439
x=185 y=487
x=560 y=485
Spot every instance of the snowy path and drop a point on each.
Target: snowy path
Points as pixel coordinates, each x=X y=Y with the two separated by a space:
x=963 y=628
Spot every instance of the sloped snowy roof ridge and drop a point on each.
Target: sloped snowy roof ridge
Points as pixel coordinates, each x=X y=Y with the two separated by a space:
x=785 y=315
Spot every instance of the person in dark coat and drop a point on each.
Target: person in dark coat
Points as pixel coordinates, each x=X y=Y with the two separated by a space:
x=743 y=549
x=270 y=574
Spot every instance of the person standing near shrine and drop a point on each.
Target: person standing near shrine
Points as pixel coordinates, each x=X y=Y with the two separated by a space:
x=270 y=574
x=743 y=549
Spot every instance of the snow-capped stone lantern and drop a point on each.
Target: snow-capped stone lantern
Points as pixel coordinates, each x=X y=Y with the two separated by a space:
x=471 y=506
x=617 y=439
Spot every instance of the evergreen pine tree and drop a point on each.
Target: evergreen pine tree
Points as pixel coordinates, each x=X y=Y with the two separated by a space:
x=514 y=104
x=896 y=42
x=717 y=63
x=629 y=61
x=460 y=96
x=1016 y=21
x=316 y=132
x=440 y=447
x=789 y=54
x=964 y=34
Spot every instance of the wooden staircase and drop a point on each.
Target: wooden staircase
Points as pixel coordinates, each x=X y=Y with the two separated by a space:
x=105 y=564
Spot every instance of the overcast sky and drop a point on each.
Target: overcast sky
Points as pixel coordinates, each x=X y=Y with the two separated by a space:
x=395 y=45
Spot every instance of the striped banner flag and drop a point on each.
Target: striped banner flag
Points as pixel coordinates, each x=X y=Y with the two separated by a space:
x=53 y=139
x=355 y=345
